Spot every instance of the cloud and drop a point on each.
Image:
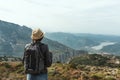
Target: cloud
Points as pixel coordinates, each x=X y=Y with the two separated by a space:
x=63 y=15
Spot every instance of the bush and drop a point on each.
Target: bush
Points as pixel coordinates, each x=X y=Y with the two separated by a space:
x=110 y=78
x=96 y=77
x=7 y=65
x=81 y=67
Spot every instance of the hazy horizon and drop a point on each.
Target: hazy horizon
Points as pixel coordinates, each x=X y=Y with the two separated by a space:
x=71 y=16
x=65 y=31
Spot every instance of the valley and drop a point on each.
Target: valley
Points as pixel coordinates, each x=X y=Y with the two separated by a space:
x=78 y=56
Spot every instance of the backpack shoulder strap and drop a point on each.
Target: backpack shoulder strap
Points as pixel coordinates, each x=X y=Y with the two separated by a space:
x=39 y=50
x=27 y=46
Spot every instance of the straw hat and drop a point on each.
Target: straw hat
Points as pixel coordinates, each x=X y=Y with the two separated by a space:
x=37 y=34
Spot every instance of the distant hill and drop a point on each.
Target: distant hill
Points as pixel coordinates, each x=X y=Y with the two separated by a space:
x=83 y=41
x=13 y=38
x=71 y=40
x=114 y=49
x=100 y=38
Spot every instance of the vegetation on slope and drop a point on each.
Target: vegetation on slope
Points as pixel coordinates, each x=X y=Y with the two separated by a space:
x=86 y=67
x=96 y=60
x=71 y=40
x=58 y=71
x=13 y=38
x=114 y=49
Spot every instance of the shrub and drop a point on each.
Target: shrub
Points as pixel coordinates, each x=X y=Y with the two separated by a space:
x=96 y=77
x=7 y=65
x=81 y=67
x=110 y=78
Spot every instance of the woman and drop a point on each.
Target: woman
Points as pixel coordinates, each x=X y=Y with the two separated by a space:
x=36 y=36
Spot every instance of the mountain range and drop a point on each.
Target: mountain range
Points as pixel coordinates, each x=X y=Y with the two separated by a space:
x=114 y=49
x=71 y=40
x=83 y=41
x=14 y=37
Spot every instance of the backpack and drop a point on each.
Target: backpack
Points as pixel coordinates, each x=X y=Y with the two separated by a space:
x=33 y=59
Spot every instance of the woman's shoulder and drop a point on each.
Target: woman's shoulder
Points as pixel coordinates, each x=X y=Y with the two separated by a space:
x=27 y=45
x=43 y=44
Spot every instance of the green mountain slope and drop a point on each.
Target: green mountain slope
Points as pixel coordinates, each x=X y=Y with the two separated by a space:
x=13 y=38
x=71 y=40
x=114 y=49
x=95 y=60
x=100 y=38
x=86 y=41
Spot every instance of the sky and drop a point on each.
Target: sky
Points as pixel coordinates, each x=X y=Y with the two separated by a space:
x=74 y=16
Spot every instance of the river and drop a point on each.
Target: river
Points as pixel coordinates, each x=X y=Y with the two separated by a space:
x=98 y=47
